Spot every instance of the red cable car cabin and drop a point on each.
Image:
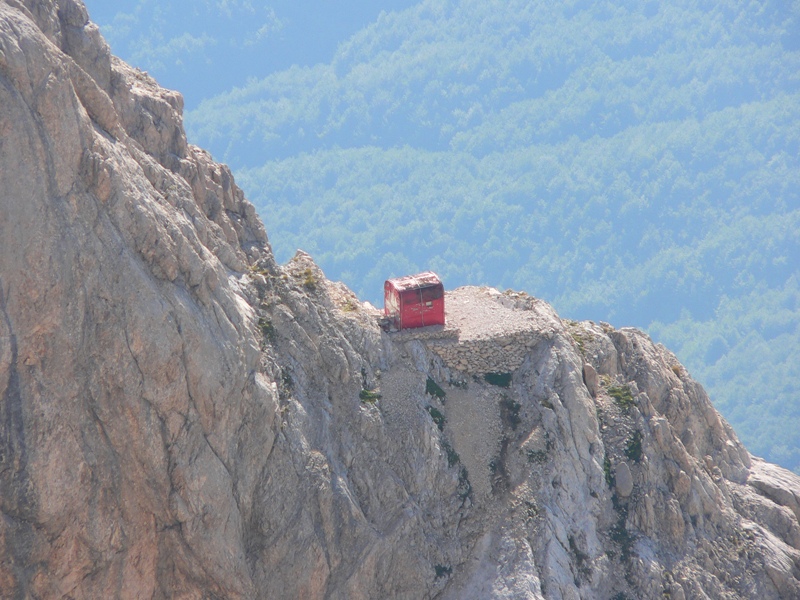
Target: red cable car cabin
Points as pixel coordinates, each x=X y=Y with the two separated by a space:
x=414 y=301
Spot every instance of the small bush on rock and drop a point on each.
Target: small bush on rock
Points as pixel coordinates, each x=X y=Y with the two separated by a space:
x=369 y=396
x=434 y=389
x=437 y=417
x=622 y=395
x=510 y=410
x=267 y=329
x=442 y=571
x=309 y=279
x=634 y=449
x=452 y=456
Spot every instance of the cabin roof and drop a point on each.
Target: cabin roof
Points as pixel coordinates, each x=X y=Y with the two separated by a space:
x=415 y=282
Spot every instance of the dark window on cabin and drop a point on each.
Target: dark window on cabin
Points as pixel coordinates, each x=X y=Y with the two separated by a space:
x=423 y=295
x=410 y=297
x=431 y=293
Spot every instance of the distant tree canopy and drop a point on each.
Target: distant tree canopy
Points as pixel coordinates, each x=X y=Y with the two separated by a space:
x=634 y=162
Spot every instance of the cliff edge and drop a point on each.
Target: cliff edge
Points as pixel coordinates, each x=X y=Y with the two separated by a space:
x=181 y=417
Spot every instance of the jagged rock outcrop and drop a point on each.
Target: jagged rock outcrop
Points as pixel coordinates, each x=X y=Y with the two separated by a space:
x=182 y=417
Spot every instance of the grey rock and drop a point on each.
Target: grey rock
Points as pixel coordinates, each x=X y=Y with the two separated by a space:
x=591 y=379
x=623 y=479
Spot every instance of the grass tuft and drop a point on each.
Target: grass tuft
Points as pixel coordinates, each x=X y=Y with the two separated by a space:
x=369 y=396
x=309 y=280
x=622 y=395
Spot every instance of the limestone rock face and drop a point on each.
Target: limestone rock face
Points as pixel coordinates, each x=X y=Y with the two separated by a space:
x=127 y=353
x=182 y=417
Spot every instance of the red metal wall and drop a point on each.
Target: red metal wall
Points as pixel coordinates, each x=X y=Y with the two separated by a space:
x=414 y=303
x=422 y=307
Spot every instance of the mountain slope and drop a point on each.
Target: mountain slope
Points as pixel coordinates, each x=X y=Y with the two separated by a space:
x=183 y=417
x=632 y=162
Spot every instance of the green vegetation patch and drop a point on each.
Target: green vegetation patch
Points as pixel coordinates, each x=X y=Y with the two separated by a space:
x=437 y=416
x=634 y=448
x=579 y=336
x=267 y=329
x=619 y=532
x=581 y=559
x=257 y=270
x=607 y=471
x=369 y=396
x=459 y=383
x=452 y=456
x=621 y=535
x=537 y=456
x=442 y=570
x=434 y=389
x=349 y=305
x=286 y=384
x=464 y=489
x=611 y=166
x=622 y=395
x=309 y=279
x=653 y=164
x=499 y=379
x=509 y=408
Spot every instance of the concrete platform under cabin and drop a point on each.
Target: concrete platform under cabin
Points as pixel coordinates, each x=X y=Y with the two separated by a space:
x=485 y=331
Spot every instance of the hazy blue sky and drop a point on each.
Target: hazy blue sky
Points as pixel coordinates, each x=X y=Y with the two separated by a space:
x=207 y=47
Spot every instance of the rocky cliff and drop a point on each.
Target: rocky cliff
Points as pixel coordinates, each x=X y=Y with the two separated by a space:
x=181 y=417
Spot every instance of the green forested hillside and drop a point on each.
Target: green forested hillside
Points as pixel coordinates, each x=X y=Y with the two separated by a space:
x=632 y=162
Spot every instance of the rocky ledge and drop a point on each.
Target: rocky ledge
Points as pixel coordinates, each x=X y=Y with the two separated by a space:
x=493 y=332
